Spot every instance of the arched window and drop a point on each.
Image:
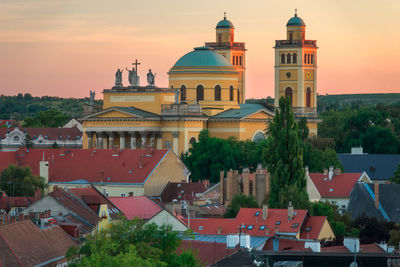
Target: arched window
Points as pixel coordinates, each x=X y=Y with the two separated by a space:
x=294 y=58
x=238 y=96
x=16 y=138
x=217 y=93
x=289 y=94
x=183 y=93
x=200 y=93
x=312 y=58
x=283 y=58
x=308 y=58
x=240 y=60
x=308 y=97
x=305 y=58
x=259 y=136
x=289 y=59
x=231 y=93
x=192 y=140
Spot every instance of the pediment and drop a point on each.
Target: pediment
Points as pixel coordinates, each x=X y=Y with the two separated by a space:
x=260 y=114
x=113 y=113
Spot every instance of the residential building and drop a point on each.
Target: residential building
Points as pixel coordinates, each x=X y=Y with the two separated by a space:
x=14 y=205
x=333 y=186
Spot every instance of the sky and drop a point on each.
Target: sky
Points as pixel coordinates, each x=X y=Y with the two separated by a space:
x=68 y=47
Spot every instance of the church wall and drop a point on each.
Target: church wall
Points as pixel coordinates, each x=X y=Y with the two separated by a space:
x=252 y=127
x=170 y=169
x=114 y=114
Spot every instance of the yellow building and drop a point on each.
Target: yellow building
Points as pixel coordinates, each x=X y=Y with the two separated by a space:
x=296 y=72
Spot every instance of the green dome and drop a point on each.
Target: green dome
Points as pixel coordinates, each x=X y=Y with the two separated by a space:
x=295 y=21
x=202 y=56
x=225 y=24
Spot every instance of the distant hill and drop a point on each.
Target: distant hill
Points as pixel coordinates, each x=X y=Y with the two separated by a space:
x=22 y=106
x=341 y=102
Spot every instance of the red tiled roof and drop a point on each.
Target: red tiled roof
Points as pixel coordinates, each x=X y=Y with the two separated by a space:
x=181 y=191
x=313 y=227
x=214 y=210
x=141 y=207
x=24 y=244
x=246 y=216
x=339 y=186
x=7 y=158
x=207 y=252
x=365 y=248
x=91 y=196
x=72 y=133
x=286 y=244
x=76 y=205
x=96 y=165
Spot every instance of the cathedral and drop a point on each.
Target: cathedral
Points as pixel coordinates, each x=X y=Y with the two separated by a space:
x=206 y=90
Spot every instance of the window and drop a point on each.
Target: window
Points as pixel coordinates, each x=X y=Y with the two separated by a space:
x=278 y=223
x=295 y=225
x=289 y=58
x=231 y=93
x=240 y=60
x=200 y=93
x=308 y=58
x=290 y=36
x=200 y=227
x=308 y=229
x=16 y=138
x=289 y=93
x=258 y=137
x=282 y=58
x=250 y=227
x=183 y=93
x=192 y=140
x=219 y=38
x=243 y=226
x=312 y=58
x=305 y=58
x=308 y=97
x=257 y=213
x=262 y=227
x=238 y=96
x=123 y=194
x=294 y=58
x=217 y=93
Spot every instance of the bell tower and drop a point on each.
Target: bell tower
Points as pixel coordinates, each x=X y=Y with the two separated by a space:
x=296 y=70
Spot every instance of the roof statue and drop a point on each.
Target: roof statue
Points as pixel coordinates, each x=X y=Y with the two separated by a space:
x=118 y=77
x=133 y=78
x=177 y=93
x=150 y=78
x=91 y=98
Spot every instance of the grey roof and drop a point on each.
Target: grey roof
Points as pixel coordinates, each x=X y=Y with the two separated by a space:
x=362 y=200
x=243 y=111
x=377 y=166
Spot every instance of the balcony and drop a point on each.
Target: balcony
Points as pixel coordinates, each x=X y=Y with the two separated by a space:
x=296 y=43
x=305 y=112
x=181 y=110
x=226 y=45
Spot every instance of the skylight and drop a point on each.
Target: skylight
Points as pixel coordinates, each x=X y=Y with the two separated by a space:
x=331 y=190
x=326 y=179
x=257 y=213
x=243 y=226
x=278 y=222
x=200 y=227
x=250 y=227
x=308 y=229
x=295 y=225
x=262 y=227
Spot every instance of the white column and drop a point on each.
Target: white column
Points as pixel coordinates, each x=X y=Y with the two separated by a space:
x=133 y=139
x=89 y=140
x=175 y=140
x=99 y=138
x=159 y=141
x=110 y=140
x=143 y=136
x=121 y=140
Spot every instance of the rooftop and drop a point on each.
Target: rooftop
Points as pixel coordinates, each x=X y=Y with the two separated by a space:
x=141 y=207
x=339 y=186
x=244 y=111
x=181 y=191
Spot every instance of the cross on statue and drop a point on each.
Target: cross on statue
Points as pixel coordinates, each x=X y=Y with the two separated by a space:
x=136 y=64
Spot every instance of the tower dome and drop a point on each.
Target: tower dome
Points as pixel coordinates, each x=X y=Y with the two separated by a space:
x=202 y=57
x=295 y=21
x=224 y=24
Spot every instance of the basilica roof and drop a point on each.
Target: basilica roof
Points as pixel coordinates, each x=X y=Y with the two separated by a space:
x=238 y=113
x=295 y=21
x=202 y=57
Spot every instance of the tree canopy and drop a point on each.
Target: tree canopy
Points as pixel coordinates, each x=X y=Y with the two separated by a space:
x=284 y=157
x=132 y=243
x=19 y=181
x=240 y=201
x=395 y=179
x=48 y=118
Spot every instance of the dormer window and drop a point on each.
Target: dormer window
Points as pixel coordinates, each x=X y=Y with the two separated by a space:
x=257 y=213
x=295 y=225
x=278 y=223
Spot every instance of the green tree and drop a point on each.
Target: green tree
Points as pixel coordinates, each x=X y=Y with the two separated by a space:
x=48 y=118
x=239 y=201
x=132 y=243
x=284 y=157
x=394 y=239
x=28 y=141
x=19 y=181
x=395 y=179
x=303 y=128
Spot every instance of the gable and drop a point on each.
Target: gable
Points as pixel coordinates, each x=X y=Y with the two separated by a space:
x=115 y=114
x=261 y=114
x=166 y=218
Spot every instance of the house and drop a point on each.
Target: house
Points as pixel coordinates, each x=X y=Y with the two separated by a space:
x=14 y=205
x=266 y=223
x=24 y=244
x=179 y=191
x=66 y=207
x=333 y=186
x=113 y=172
x=379 y=167
x=381 y=201
x=74 y=122
x=144 y=208
x=11 y=139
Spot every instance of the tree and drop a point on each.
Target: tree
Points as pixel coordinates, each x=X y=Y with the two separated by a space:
x=28 y=141
x=132 y=243
x=395 y=179
x=284 y=157
x=239 y=201
x=303 y=128
x=48 y=118
x=19 y=181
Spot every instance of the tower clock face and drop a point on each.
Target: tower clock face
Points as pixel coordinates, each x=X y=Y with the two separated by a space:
x=288 y=74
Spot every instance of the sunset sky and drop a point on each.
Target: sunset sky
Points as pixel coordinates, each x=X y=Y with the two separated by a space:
x=67 y=48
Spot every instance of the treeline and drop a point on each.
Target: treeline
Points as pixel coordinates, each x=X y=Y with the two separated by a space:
x=21 y=106
x=375 y=128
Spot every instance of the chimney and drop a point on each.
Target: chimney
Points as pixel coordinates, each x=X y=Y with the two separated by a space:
x=325 y=171
x=229 y=186
x=246 y=182
x=44 y=170
x=267 y=183
x=337 y=171
x=236 y=186
x=307 y=172
x=221 y=187
x=38 y=194
x=264 y=212
x=290 y=211
x=376 y=192
x=330 y=172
